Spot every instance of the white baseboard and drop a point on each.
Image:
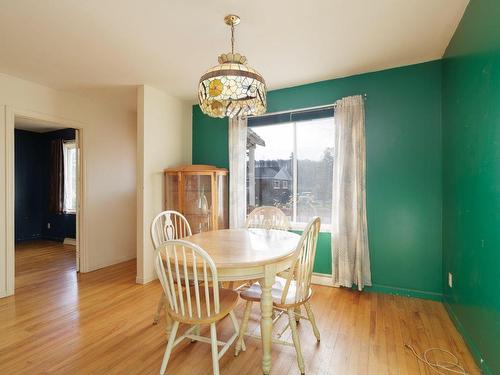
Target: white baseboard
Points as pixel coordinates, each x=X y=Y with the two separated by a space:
x=145 y=279
x=69 y=241
x=322 y=279
x=94 y=267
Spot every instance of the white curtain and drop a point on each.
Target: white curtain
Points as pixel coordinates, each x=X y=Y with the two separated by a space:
x=350 y=254
x=237 y=172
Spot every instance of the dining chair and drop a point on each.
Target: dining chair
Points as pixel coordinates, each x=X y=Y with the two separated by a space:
x=289 y=294
x=265 y=217
x=167 y=226
x=185 y=271
x=268 y=217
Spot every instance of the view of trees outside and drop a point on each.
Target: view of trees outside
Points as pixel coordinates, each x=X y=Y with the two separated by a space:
x=312 y=151
x=314 y=187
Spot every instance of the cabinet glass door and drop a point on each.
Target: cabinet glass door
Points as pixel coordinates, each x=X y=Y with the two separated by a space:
x=198 y=202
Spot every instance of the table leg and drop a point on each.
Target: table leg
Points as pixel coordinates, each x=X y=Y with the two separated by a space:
x=266 y=321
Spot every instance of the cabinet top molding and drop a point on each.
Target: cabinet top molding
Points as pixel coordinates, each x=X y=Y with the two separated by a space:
x=197 y=168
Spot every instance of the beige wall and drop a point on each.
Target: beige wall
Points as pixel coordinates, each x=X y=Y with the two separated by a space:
x=164 y=140
x=109 y=143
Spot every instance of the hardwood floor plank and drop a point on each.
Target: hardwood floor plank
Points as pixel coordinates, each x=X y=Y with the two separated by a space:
x=101 y=323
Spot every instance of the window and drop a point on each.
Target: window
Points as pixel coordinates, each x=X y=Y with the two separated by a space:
x=70 y=155
x=293 y=151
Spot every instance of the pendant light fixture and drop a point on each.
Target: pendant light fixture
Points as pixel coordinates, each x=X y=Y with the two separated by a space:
x=232 y=88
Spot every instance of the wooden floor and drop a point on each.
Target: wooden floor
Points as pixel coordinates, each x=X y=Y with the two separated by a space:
x=102 y=324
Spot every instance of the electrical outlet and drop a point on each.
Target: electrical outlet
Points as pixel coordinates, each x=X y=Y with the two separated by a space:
x=450 y=279
x=48 y=225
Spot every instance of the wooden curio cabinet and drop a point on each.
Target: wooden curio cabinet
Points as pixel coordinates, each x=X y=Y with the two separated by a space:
x=200 y=193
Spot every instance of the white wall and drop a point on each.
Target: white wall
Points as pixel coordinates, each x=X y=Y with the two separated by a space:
x=109 y=143
x=163 y=141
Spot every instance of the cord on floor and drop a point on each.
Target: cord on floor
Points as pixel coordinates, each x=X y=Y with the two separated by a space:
x=439 y=366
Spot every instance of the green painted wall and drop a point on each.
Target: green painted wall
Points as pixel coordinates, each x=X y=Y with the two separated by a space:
x=471 y=179
x=403 y=136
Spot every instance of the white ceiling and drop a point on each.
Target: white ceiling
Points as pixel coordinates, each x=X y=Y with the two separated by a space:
x=84 y=45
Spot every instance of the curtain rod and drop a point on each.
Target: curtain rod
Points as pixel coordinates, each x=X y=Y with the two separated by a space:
x=308 y=109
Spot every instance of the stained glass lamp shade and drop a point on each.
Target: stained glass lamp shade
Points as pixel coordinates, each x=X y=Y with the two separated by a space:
x=232 y=88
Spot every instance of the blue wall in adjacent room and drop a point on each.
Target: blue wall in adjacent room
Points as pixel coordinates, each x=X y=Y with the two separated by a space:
x=32 y=167
x=29 y=167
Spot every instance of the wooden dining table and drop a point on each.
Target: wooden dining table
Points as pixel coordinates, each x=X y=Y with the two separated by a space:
x=250 y=254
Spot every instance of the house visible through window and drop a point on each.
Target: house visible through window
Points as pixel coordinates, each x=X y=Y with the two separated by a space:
x=290 y=163
x=70 y=156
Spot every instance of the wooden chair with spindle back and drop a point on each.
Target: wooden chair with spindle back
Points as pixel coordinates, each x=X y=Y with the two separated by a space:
x=265 y=217
x=268 y=217
x=185 y=271
x=290 y=293
x=167 y=226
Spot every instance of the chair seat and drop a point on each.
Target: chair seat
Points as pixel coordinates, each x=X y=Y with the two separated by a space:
x=254 y=293
x=228 y=299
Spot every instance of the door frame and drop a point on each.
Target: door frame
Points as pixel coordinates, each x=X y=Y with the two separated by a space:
x=10 y=116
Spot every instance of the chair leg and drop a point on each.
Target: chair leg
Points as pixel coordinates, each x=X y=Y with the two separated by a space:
x=168 y=323
x=196 y=332
x=161 y=304
x=237 y=328
x=310 y=315
x=297 y=314
x=215 y=349
x=169 y=348
x=240 y=344
x=296 y=342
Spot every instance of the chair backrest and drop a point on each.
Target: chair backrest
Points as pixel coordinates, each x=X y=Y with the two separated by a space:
x=185 y=271
x=302 y=267
x=167 y=226
x=268 y=217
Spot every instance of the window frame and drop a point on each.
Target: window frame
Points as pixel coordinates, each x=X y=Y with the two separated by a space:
x=295 y=225
x=70 y=145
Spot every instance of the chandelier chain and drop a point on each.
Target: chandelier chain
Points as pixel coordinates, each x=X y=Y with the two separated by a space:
x=232 y=38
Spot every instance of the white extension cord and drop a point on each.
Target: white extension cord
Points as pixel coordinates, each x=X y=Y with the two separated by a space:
x=439 y=366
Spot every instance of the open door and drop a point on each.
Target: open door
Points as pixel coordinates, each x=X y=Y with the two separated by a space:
x=78 y=197
x=72 y=188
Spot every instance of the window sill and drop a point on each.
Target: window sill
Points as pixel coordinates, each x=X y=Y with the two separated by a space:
x=325 y=228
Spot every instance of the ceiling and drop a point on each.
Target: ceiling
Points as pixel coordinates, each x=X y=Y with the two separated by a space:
x=92 y=44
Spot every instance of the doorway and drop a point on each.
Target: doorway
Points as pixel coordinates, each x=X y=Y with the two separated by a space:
x=44 y=198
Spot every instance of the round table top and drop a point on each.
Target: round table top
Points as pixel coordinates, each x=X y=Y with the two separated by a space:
x=233 y=248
